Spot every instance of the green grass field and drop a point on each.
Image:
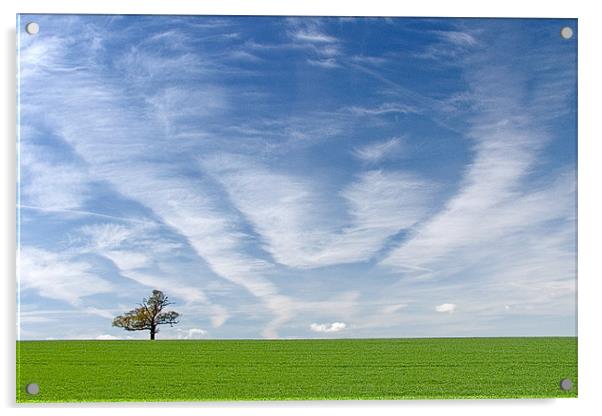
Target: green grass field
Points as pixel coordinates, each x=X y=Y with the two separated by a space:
x=73 y=371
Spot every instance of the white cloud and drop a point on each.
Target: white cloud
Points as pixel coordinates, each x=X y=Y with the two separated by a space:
x=55 y=187
x=103 y=313
x=324 y=63
x=499 y=209
x=296 y=218
x=152 y=67
x=59 y=276
x=244 y=56
x=387 y=201
x=333 y=327
x=377 y=151
x=136 y=238
x=196 y=332
x=25 y=319
x=213 y=233
x=386 y=108
x=192 y=333
x=505 y=237
x=452 y=44
x=106 y=337
x=394 y=308
x=37 y=57
x=47 y=184
x=107 y=236
x=313 y=35
x=175 y=107
x=457 y=38
x=372 y=60
x=140 y=255
x=446 y=308
x=219 y=315
x=126 y=259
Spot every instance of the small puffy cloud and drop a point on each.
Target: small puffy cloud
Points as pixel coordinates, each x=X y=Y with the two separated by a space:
x=192 y=333
x=106 y=337
x=196 y=332
x=333 y=327
x=446 y=307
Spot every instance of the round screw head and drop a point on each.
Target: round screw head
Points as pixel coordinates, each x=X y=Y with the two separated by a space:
x=566 y=32
x=32 y=28
x=32 y=388
x=566 y=384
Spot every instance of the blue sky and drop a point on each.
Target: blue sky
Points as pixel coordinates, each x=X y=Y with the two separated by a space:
x=297 y=177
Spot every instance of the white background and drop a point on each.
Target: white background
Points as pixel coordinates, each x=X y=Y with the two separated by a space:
x=590 y=207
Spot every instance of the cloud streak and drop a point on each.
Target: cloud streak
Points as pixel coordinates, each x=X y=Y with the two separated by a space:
x=296 y=224
x=375 y=152
x=59 y=276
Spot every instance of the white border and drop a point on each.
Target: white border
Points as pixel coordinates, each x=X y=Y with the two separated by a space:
x=590 y=207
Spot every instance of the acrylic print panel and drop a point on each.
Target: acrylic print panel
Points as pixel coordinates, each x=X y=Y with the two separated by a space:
x=296 y=208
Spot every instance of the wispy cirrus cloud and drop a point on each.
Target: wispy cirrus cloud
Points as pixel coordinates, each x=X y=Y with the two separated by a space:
x=382 y=109
x=456 y=37
x=59 y=276
x=508 y=236
x=324 y=63
x=450 y=45
x=310 y=34
x=309 y=30
x=140 y=255
x=495 y=187
x=377 y=151
x=192 y=212
x=49 y=184
x=394 y=308
x=294 y=220
x=369 y=59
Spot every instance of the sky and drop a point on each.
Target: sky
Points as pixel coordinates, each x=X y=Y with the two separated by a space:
x=297 y=177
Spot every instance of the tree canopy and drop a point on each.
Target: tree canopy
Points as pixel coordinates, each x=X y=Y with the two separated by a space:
x=149 y=315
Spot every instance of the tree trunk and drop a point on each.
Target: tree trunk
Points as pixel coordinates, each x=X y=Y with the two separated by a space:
x=152 y=334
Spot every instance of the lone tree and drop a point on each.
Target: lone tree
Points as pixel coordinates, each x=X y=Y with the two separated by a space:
x=149 y=315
